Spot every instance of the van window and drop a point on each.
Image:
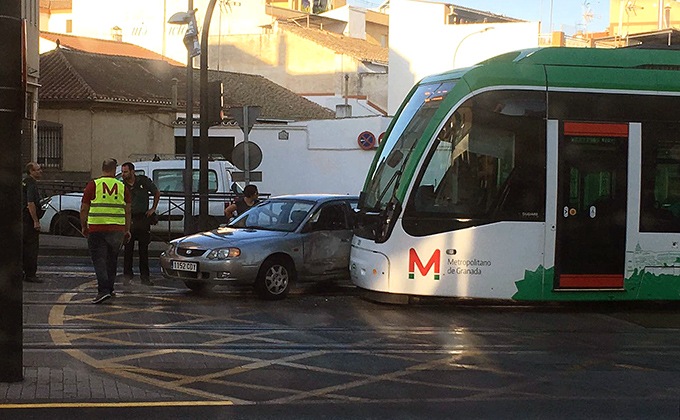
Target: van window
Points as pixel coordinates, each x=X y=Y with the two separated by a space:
x=172 y=180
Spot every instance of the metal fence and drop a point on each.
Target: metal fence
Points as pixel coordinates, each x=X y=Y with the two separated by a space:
x=170 y=210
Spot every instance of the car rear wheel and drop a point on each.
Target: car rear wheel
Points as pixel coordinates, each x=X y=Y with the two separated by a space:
x=198 y=286
x=274 y=279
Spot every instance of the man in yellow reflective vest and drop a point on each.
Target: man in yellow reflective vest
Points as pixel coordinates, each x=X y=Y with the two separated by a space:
x=105 y=221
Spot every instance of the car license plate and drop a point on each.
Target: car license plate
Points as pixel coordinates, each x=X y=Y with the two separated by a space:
x=185 y=266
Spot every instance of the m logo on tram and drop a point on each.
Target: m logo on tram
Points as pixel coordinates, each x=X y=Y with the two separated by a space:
x=414 y=260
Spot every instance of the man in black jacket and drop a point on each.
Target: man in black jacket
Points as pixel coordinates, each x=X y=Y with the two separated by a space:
x=31 y=214
x=141 y=188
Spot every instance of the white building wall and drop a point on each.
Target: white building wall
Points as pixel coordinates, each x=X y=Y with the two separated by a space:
x=57 y=22
x=319 y=156
x=147 y=26
x=422 y=44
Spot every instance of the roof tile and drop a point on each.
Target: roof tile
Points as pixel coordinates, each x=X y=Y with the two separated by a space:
x=103 y=46
x=78 y=76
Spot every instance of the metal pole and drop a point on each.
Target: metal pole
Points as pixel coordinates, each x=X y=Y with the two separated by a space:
x=246 y=148
x=165 y=18
x=203 y=142
x=11 y=113
x=189 y=144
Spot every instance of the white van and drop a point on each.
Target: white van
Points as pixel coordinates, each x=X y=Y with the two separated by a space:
x=62 y=214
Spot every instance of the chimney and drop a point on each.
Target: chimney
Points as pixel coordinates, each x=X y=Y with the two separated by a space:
x=117 y=34
x=357 y=23
x=343 y=111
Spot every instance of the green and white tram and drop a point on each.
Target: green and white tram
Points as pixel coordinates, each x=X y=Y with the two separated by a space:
x=545 y=174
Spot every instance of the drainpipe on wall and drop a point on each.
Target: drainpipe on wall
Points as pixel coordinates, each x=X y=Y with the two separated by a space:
x=344 y=111
x=175 y=81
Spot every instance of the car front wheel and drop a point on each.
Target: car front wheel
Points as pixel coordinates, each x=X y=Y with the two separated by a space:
x=274 y=279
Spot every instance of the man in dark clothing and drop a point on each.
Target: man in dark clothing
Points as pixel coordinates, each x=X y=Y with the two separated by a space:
x=32 y=212
x=245 y=203
x=141 y=188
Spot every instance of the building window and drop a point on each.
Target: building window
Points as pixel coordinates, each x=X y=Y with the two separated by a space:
x=69 y=26
x=50 y=144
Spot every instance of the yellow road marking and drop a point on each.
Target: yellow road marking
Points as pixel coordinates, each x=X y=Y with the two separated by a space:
x=60 y=337
x=118 y=405
x=246 y=368
x=182 y=383
x=634 y=367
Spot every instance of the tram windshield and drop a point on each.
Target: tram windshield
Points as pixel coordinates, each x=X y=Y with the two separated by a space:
x=404 y=136
x=487 y=164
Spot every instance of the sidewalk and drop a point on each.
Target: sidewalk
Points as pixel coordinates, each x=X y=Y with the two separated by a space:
x=68 y=245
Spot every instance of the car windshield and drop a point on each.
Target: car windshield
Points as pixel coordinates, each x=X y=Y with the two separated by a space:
x=281 y=215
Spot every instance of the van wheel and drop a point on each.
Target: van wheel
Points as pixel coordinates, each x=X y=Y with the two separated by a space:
x=198 y=286
x=67 y=223
x=274 y=279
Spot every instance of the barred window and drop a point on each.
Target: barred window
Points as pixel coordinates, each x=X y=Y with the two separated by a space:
x=50 y=144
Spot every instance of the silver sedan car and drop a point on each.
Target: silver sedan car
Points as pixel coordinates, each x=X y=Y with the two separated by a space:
x=279 y=241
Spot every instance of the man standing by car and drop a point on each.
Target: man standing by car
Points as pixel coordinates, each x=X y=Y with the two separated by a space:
x=105 y=221
x=141 y=187
x=31 y=214
x=245 y=203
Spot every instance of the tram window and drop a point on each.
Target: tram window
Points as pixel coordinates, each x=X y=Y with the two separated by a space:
x=660 y=200
x=487 y=165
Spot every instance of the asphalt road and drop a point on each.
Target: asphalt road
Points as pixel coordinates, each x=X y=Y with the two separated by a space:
x=326 y=353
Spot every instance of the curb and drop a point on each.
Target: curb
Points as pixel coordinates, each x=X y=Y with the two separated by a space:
x=52 y=245
x=79 y=252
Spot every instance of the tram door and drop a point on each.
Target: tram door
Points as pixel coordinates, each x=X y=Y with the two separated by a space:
x=591 y=205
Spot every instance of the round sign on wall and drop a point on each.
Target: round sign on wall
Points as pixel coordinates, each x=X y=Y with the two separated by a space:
x=366 y=140
x=254 y=156
x=380 y=139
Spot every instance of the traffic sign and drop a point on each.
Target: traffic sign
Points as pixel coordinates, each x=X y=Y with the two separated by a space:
x=238 y=156
x=255 y=176
x=366 y=140
x=247 y=112
x=380 y=139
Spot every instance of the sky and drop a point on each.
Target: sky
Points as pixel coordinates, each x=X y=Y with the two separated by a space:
x=567 y=15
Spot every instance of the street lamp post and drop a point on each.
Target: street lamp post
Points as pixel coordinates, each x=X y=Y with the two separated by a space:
x=203 y=141
x=189 y=144
x=466 y=37
x=188 y=18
